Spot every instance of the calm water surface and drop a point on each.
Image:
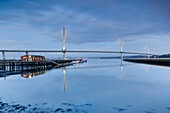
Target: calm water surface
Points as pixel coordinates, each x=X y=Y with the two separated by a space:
x=98 y=86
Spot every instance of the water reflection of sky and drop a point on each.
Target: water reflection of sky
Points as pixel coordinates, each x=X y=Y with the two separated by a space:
x=141 y=88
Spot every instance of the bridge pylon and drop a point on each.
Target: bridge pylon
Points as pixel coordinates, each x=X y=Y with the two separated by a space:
x=148 y=50
x=27 y=53
x=121 y=45
x=121 y=51
x=3 y=54
x=64 y=46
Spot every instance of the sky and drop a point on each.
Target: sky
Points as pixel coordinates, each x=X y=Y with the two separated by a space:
x=90 y=24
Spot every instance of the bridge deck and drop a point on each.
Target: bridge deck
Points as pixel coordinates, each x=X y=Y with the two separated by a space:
x=78 y=51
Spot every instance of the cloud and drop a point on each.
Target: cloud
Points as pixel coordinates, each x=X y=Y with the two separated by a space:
x=88 y=21
x=7 y=42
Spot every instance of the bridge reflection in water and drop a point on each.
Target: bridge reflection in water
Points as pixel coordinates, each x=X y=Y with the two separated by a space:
x=29 y=73
x=32 y=74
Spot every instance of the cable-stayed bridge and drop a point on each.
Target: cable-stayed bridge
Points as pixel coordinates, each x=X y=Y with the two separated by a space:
x=77 y=51
x=74 y=51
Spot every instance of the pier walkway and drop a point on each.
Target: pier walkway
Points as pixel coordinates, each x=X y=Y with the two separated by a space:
x=9 y=65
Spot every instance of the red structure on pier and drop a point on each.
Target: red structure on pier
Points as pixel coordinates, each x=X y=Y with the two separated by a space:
x=32 y=58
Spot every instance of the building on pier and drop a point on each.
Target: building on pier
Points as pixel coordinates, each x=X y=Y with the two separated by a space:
x=32 y=58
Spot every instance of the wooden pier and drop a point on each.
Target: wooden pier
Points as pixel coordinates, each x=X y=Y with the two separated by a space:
x=13 y=65
x=32 y=68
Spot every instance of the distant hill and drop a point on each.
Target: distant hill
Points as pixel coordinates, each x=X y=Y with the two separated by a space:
x=162 y=56
x=118 y=57
x=135 y=56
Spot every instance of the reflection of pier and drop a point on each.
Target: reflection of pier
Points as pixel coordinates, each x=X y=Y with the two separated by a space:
x=30 y=69
x=32 y=73
x=26 y=72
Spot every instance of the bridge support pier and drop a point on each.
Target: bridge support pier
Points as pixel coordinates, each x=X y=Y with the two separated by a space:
x=148 y=51
x=3 y=54
x=26 y=52
x=64 y=55
x=121 y=56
